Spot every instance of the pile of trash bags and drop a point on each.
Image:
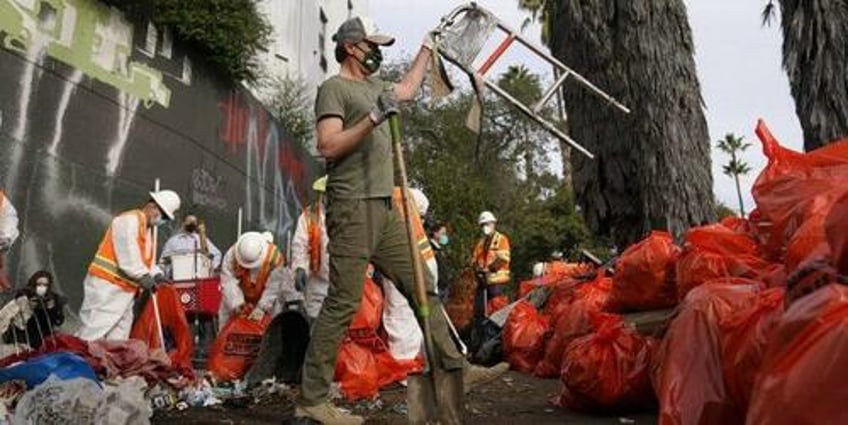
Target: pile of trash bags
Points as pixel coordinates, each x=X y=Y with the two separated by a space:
x=759 y=308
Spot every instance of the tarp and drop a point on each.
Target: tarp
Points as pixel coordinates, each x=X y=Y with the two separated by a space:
x=38 y=369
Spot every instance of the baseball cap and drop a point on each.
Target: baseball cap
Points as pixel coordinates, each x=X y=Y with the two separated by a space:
x=354 y=30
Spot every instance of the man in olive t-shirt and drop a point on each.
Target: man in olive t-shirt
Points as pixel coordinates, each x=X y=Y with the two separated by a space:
x=362 y=225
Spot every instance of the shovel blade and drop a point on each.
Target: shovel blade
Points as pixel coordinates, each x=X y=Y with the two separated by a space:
x=421 y=400
x=439 y=402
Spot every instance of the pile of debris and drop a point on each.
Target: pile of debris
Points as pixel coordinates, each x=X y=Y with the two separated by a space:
x=758 y=305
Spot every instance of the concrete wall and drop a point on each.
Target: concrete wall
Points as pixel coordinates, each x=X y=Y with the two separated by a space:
x=94 y=108
x=302 y=44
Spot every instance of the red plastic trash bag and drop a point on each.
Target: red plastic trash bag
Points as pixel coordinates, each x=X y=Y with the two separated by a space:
x=687 y=371
x=644 y=275
x=572 y=322
x=810 y=241
x=357 y=371
x=236 y=347
x=745 y=336
x=836 y=231
x=370 y=313
x=496 y=304
x=608 y=370
x=179 y=341
x=595 y=293
x=802 y=377
x=721 y=239
x=791 y=180
x=559 y=297
x=524 y=336
x=698 y=265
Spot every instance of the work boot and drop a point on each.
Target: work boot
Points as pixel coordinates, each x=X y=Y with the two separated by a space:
x=474 y=376
x=327 y=414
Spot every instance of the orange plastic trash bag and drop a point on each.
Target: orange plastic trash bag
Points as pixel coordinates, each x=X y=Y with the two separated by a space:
x=644 y=275
x=785 y=188
x=836 y=231
x=496 y=304
x=236 y=347
x=802 y=377
x=687 y=372
x=179 y=341
x=595 y=293
x=370 y=313
x=357 y=371
x=745 y=336
x=572 y=322
x=608 y=370
x=524 y=336
x=698 y=266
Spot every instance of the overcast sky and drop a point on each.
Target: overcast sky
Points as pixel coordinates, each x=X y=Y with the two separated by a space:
x=739 y=65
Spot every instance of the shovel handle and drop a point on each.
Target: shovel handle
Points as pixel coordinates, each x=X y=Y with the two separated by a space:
x=417 y=267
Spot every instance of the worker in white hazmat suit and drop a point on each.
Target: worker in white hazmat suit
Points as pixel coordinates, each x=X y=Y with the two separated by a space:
x=122 y=267
x=309 y=256
x=252 y=277
x=404 y=333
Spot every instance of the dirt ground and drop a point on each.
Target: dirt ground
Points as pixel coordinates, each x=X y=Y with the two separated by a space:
x=514 y=399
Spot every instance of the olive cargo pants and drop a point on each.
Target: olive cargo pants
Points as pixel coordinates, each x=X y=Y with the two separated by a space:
x=363 y=231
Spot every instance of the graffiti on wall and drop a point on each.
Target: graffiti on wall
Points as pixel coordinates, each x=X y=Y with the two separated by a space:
x=274 y=168
x=87 y=35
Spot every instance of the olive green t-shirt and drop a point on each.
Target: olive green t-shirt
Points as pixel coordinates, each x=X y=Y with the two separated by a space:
x=366 y=172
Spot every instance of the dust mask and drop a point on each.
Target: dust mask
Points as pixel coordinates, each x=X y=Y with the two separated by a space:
x=41 y=290
x=371 y=60
x=488 y=229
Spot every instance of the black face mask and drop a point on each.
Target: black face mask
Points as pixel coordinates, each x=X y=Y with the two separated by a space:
x=190 y=228
x=372 y=59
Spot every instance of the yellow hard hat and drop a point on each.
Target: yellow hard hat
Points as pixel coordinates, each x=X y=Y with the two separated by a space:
x=320 y=185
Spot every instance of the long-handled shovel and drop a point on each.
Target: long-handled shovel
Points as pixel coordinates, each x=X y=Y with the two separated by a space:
x=439 y=396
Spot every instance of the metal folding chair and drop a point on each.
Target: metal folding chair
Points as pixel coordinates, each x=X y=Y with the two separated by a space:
x=461 y=37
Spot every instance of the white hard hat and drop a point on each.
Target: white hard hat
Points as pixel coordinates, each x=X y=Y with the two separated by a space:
x=538 y=269
x=168 y=201
x=556 y=255
x=421 y=201
x=251 y=249
x=268 y=236
x=486 y=217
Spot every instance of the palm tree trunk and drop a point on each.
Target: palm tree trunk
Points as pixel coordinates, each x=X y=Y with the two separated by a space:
x=739 y=194
x=653 y=166
x=815 y=46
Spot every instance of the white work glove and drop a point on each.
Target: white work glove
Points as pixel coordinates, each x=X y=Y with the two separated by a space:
x=256 y=315
x=386 y=106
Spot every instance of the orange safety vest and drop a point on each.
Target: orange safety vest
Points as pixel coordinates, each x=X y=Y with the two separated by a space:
x=313 y=232
x=105 y=264
x=418 y=232
x=251 y=289
x=485 y=255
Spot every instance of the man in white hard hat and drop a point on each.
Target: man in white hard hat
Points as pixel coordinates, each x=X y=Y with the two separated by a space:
x=251 y=277
x=8 y=235
x=491 y=264
x=309 y=255
x=123 y=267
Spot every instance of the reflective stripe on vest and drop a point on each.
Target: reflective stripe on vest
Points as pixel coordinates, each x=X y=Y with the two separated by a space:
x=499 y=248
x=253 y=290
x=105 y=265
x=418 y=232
